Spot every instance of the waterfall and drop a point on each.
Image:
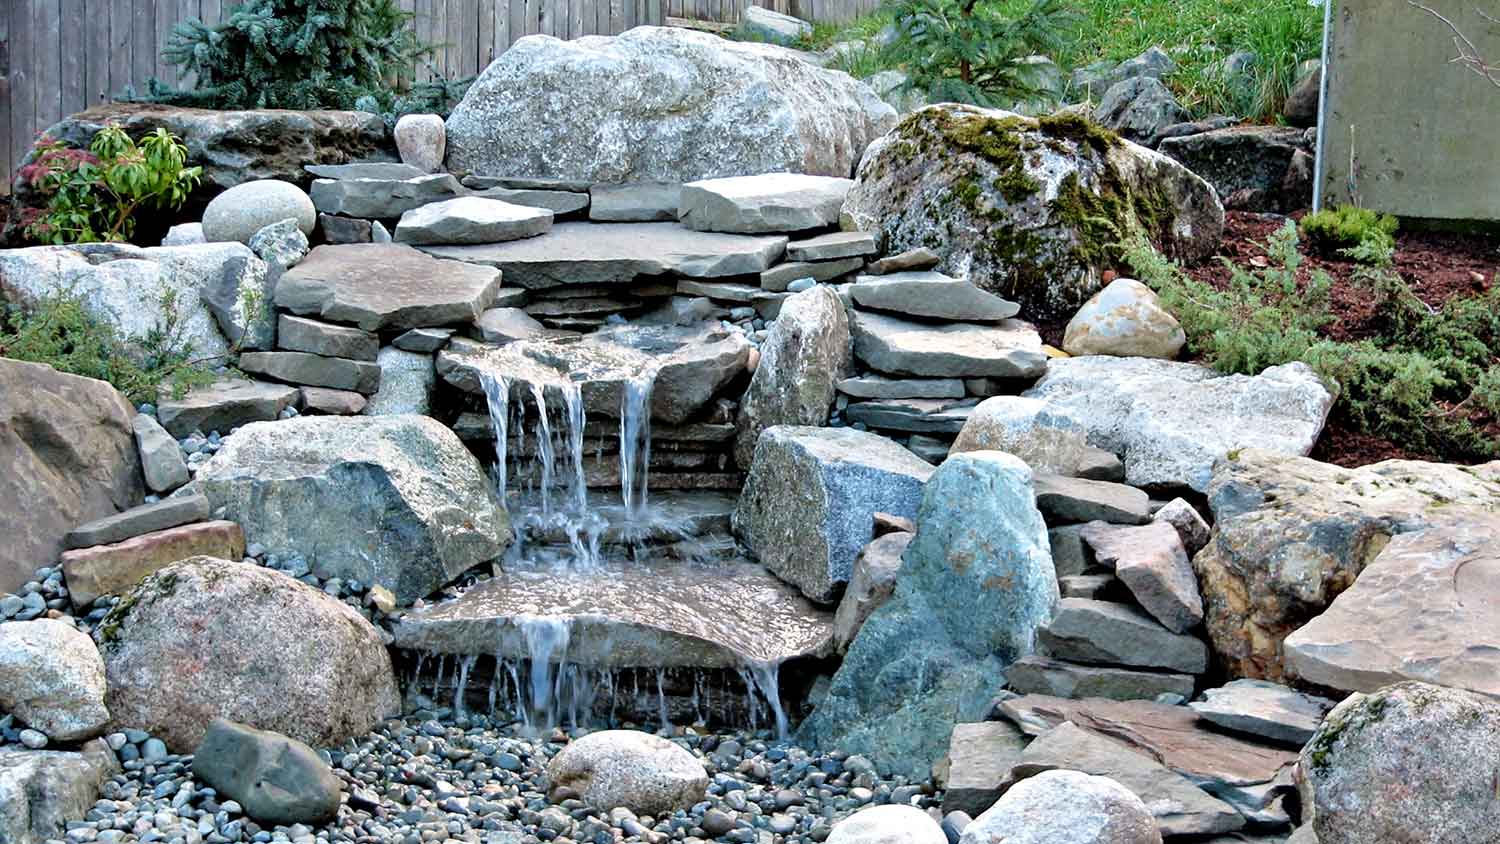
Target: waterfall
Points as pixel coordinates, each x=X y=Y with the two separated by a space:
x=546 y=638
x=635 y=443
x=766 y=677
x=497 y=400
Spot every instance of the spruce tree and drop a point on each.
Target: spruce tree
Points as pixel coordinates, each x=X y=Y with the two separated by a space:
x=302 y=54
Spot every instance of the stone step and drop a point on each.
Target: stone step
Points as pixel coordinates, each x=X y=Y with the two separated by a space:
x=626 y=615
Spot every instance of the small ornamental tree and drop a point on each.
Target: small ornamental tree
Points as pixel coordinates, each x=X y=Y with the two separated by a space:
x=973 y=51
x=94 y=195
x=303 y=54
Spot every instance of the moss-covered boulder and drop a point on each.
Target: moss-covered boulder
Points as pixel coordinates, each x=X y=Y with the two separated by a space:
x=1029 y=209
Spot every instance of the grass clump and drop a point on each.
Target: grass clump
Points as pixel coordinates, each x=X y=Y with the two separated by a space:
x=1429 y=380
x=59 y=331
x=1348 y=229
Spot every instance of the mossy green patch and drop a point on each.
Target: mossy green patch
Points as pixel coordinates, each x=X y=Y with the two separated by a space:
x=1072 y=126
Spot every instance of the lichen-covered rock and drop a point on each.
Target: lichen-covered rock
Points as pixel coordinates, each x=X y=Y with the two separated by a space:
x=661 y=104
x=976 y=583
x=1411 y=763
x=646 y=774
x=805 y=354
x=207 y=638
x=809 y=504
x=68 y=451
x=1290 y=534
x=395 y=501
x=51 y=677
x=1025 y=208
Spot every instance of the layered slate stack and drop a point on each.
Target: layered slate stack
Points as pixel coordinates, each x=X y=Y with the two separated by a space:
x=1128 y=626
x=932 y=347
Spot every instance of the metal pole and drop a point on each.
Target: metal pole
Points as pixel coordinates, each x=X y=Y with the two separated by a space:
x=1317 y=202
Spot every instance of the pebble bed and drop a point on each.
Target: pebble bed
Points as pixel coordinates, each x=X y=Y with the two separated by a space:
x=431 y=778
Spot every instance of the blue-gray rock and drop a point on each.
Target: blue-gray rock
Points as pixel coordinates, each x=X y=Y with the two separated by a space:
x=278 y=780
x=809 y=505
x=976 y=585
x=161 y=459
x=238 y=213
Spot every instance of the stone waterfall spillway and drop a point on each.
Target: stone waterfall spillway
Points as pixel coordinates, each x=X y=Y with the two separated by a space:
x=612 y=603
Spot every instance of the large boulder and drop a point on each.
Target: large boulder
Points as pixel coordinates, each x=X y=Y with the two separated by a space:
x=1029 y=209
x=68 y=453
x=805 y=354
x=1411 y=763
x=660 y=105
x=1166 y=420
x=51 y=677
x=1423 y=609
x=1051 y=440
x=138 y=291
x=207 y=638
x=1251 y=167
x=1139 y=108
x=809 y=505
x=644 y=773
x=42 y=790
x=234 y=147
x=394 y=501
x=1290 y=534
x=976 y=584
x=1065 y=807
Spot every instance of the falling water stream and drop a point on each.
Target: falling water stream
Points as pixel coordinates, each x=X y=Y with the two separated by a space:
x=546 y=492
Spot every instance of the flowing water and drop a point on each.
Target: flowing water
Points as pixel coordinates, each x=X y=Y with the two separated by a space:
x=540 y=475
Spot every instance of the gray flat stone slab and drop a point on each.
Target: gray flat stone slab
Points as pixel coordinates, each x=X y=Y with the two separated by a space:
x=502 y=325
x=479 y=182
x=641 y=615
x=930 y=295
x=1101 y=632
x=1152 y=562
x=314 y=370
x=832 y=246
x=617 y=253
x=1265 y=709
x=472 y=219
x=383 y=170
x=423 y=340
x=387 y=287
x=1072 y=500
x=720 y=291
x=381 y=199
x=299 y=334
x=640 y=202
x=138 y=521
x=768 y=202
x=878 y=387
x=559 y=202
x=915 y=416
x=778 y=277
x=917 y=259
x=1040 y=675
x=224 y=405
x=980 y=757
x=1010 y=349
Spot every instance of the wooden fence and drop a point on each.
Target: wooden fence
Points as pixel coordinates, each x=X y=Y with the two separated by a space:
x=58 y=57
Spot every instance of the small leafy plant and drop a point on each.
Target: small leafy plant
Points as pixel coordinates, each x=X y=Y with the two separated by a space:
x=976 y=51
x=59 y=331
x=95 y=195
x=1347 y=228
x=1429 y=379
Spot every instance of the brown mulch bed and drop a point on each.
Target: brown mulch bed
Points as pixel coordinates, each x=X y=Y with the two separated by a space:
x=1437 y=265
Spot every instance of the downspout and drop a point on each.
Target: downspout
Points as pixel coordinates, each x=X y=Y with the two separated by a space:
x=1317 y=201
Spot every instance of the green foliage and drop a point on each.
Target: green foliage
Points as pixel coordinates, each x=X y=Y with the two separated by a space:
x=60 y=332
x=304 y=54
x=95 y=196
x=1360 y=232
x=1427 y=381
x=977 y=51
